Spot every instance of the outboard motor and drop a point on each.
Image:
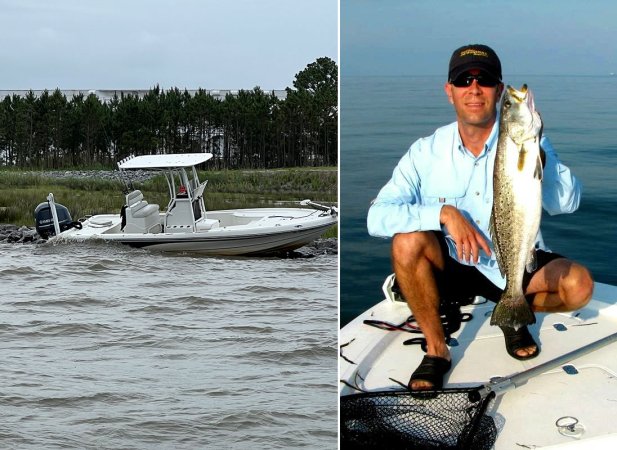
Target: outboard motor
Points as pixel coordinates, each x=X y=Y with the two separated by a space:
x=45 y=222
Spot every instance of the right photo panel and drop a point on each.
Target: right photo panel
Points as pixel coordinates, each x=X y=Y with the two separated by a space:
x=478 y=238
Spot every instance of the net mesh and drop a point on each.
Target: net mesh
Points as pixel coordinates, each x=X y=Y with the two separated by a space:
x=446 y=419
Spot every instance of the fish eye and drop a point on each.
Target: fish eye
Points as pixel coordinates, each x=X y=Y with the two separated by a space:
x=507 y=103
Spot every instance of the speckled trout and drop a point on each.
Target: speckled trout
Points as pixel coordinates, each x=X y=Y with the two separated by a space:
x=517 y=202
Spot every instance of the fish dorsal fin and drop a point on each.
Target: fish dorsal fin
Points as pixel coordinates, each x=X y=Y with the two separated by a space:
x=539 y=171
x=532 y=261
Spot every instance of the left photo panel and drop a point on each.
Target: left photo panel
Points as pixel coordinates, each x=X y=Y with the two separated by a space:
x=169 y=221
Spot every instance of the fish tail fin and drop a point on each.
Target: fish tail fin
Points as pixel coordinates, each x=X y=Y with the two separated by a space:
x=512 y=311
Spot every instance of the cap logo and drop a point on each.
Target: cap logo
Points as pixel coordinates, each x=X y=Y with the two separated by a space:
x=474 y=52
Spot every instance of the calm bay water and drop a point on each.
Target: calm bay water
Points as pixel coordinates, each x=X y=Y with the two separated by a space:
x=382 y=116
x=103 y=346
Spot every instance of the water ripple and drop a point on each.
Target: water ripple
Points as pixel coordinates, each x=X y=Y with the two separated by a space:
x=110 y=347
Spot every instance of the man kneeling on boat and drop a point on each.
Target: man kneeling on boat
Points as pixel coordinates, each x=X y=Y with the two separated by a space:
x=437 y=206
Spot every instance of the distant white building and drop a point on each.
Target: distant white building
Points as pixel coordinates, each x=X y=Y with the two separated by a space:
x=106 y=95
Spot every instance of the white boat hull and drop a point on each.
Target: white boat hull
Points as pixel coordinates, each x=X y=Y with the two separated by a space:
x=185 y=225
x=241 y=232
x=525 y=417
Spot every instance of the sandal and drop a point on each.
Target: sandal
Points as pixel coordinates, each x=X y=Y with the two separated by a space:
x=519 y=339
x=431 y=369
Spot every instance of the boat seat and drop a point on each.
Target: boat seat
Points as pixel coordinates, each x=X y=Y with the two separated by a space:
x=141 y=217
x=145 y=209
x=134 y=197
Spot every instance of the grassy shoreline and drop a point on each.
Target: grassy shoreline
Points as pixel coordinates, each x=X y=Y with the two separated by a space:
x=21 y=192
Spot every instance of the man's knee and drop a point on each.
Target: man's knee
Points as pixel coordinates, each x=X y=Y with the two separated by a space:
x=578 y=286
x=407 y=247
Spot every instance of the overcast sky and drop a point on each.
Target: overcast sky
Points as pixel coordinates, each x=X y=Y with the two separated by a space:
x=407 y=37
x=136 y=44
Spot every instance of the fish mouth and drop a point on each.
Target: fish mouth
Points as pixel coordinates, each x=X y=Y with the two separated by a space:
x=521 y=95
x=518 y=94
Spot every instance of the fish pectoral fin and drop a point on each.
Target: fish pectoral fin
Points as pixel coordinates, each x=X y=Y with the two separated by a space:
x=543 y=157
x=538 y=173
x=521 y=158
x=532 y=261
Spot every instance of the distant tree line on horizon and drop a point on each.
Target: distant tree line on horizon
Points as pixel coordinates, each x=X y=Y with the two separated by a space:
x=252 y=129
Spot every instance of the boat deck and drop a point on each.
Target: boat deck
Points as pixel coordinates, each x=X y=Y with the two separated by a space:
x=585 y=388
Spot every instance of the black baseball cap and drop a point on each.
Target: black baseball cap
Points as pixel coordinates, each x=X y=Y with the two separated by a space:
x=474 y=56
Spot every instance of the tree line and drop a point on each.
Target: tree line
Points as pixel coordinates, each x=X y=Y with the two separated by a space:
x=252 y=129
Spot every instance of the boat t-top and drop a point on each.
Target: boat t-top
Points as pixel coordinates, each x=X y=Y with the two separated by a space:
x=185 y=225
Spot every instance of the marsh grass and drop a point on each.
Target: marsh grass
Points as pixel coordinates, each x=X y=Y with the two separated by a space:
x=21 y=192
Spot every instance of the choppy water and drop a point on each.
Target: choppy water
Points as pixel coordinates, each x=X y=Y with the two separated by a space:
x=103 y=346
x=382 y=116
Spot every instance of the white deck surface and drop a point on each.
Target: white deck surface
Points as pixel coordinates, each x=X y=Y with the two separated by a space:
x=526 y=416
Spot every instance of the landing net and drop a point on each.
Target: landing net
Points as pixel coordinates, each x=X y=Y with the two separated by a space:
x=444 y=419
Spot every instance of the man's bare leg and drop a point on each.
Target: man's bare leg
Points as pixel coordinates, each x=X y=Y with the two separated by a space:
x=560 y=286
x=415 y=256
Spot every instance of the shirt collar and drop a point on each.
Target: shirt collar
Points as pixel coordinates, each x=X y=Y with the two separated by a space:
x=490 y=143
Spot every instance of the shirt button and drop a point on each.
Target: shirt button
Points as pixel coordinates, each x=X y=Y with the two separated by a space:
x=477 y=193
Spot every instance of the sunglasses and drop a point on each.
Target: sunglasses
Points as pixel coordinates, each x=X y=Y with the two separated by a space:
x=483 y=80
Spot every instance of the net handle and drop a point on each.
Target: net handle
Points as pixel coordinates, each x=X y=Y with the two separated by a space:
x=503 y=385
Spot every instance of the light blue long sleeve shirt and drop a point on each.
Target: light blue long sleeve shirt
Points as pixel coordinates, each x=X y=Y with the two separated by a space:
x=438 y=170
